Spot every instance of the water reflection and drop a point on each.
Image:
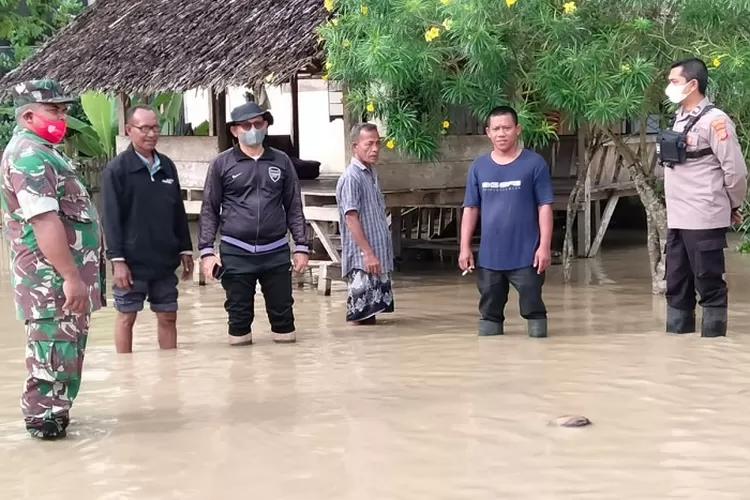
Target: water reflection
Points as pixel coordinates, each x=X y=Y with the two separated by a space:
x=418 y=408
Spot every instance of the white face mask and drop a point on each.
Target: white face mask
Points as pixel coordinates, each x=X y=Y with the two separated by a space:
x=675 y=93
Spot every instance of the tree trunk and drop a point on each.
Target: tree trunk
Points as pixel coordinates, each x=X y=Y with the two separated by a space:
x=575 y=196
x=656 y=210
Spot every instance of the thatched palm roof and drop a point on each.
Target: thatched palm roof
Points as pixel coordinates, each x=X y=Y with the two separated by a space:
x=150 y=46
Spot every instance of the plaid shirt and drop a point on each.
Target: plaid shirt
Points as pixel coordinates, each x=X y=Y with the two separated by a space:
x=358 y=190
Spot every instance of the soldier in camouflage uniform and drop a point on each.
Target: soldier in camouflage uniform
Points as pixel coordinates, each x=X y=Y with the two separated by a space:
x=55 y=239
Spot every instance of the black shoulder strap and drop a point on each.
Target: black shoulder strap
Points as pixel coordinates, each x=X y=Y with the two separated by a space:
x=701 y=152
x=693 y=120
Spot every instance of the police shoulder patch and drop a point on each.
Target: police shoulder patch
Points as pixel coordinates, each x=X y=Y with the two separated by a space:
x=720 y=128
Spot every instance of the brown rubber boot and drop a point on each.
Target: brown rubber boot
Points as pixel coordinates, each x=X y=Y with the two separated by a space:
x=240 y=340
x=285 y=338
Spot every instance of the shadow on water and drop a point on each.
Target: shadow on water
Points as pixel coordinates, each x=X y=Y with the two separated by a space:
x=417 y=407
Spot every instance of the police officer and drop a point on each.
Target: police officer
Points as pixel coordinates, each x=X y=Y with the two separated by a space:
x=705 y=184
x=55 y=241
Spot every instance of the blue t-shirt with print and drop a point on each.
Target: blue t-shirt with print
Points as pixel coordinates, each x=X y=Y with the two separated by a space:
x=508 y=197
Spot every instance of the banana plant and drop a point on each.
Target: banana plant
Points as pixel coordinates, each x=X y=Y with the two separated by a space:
x=101 y=112
x=84 y=141
x=98 y=137
x=168 y=107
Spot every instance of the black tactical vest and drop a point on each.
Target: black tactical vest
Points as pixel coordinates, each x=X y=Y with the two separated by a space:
x=671 y=146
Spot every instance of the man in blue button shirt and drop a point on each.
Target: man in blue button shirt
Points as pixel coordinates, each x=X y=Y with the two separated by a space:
x=511 y=189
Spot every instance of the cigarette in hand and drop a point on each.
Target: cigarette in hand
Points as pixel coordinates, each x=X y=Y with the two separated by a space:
x=467 y=271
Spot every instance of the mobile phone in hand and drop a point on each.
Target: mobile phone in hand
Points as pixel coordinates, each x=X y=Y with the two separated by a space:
x=217 y=272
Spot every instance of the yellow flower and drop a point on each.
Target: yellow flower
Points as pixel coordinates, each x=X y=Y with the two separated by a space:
x=446 y=124
x=370 y=107
x=569 y=7
x=716 y=62
x=625 y=68
x=328 y=4
x=509 y=2
x=324 y=78
x=432 y=34
x=364 y=9
x=328 y=65
x=448 y=24
x=445 y=2
x=390 y=144
x=347 y=44
x=335 y=22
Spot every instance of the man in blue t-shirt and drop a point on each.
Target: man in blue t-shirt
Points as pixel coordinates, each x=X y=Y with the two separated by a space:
x=511 y=188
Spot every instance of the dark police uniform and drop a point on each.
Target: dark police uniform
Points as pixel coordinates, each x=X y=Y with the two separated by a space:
x=702 y=185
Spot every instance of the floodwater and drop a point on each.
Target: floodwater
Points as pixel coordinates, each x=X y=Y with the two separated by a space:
x=415 y=408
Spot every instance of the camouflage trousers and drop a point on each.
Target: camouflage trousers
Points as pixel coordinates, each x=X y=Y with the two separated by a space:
x=54 y=359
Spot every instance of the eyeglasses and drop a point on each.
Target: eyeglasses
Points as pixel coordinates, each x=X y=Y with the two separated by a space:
x=250 y=125
x=145 y=129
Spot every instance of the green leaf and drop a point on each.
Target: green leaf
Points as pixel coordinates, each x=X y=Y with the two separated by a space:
x=84 y=139
x=101 y=111
x=201 y=129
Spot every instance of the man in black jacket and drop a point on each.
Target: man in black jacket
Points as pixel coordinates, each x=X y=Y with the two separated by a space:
x=146 y=231
x=252 y=197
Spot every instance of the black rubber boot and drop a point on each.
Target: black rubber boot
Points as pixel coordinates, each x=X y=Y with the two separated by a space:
x=490 y=328
x=48 y=429
x=714 y=323
x=680 y=321
x=538 y=328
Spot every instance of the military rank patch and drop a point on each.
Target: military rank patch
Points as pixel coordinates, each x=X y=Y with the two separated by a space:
x=720 y=128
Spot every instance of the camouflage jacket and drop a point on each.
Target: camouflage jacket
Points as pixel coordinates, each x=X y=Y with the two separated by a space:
x=38 y=179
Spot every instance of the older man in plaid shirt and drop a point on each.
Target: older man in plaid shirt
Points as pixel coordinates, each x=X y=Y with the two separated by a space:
x=367 y=249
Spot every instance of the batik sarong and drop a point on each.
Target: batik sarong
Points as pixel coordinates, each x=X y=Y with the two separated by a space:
x=369 y=294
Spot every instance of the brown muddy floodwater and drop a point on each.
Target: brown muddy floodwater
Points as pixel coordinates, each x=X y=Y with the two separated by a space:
x=416 y=408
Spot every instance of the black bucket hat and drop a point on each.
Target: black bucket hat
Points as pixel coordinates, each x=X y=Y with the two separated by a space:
x=248 y=111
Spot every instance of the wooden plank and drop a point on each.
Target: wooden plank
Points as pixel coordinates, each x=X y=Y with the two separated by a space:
x=223 y=137
x=426 y=175
x=123 y=103
x=198 y=277
x=609 y=210
x=451 y=148
x=425 y=198
x=212 y=129
x=326 y=273
x=327 y=213
x=324 y=238
x=294 y=90
x=396 y=228
x=192 y=207
x=584 y=223
x=597 y=214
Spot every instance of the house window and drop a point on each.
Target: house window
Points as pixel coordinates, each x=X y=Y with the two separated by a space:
x=634 y=126
x=335 y=101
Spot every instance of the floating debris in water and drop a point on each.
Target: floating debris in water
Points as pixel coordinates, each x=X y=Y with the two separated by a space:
x=571 y=421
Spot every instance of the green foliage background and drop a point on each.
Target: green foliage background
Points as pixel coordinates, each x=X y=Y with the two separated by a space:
x=25 y=23
x=597 y=61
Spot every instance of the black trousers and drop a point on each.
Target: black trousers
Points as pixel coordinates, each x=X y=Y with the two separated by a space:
x=694 y=260
x=494 y=287
x=242 y=272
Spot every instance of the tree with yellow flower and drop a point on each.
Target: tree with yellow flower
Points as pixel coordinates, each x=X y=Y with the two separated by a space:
x=598 y=62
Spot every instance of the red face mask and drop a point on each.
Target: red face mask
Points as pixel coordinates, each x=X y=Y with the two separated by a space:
x=49 y=130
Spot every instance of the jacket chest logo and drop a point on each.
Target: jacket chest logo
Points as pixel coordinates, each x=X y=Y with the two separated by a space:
x=274 y=173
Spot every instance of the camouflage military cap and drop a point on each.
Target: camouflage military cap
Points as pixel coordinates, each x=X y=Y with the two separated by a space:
x=42 y=91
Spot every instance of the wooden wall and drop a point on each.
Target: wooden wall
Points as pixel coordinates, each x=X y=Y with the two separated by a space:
x=455 y=154
x=191 y=155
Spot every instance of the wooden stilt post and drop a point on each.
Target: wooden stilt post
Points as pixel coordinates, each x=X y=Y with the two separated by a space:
x=609 y=210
